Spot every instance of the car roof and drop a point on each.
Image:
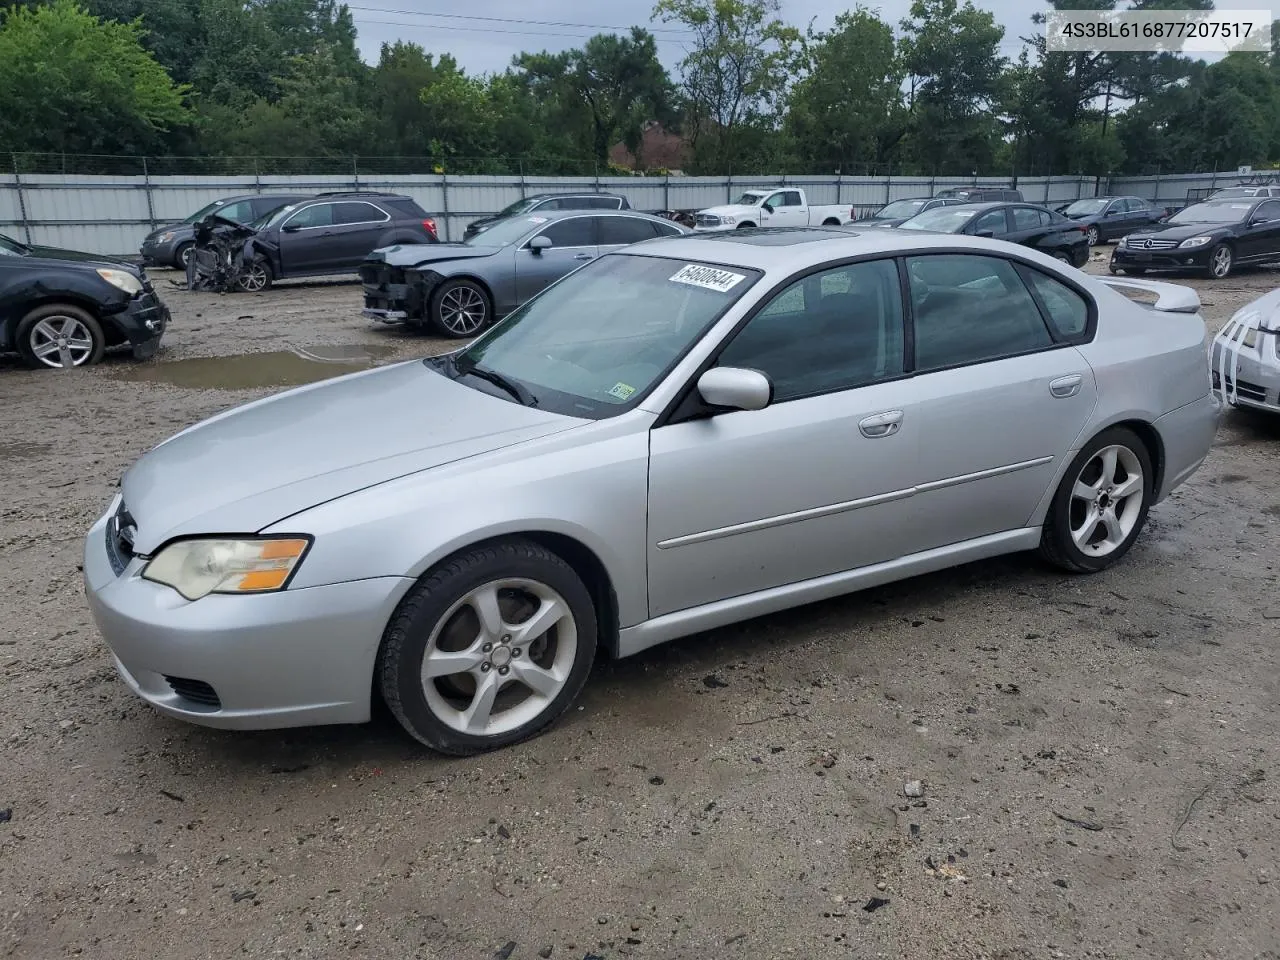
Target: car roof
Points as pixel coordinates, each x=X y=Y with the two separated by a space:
x=787 y=249
x=574 y=193
x=551 y=216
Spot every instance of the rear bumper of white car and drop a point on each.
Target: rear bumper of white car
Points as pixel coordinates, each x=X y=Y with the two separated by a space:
x=293 y=658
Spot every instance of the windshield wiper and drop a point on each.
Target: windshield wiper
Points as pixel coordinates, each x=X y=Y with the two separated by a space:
x=523 y=396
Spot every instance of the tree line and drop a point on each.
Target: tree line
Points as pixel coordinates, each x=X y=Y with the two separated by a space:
x=752 y=93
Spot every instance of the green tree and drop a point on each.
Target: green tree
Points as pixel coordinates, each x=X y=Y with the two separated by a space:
x=848 y=109
x=735 y=77
x=72 y=83
x=951 y=56
x=614 y=84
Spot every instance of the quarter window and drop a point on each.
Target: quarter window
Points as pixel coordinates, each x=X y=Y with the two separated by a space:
x=968 y=309
x=834 y=330
x=578 y=232
x=1068 y=312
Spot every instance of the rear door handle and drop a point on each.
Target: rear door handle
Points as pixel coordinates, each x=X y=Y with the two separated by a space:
x=881 y=425
x=1067 y=386
x=583 y=256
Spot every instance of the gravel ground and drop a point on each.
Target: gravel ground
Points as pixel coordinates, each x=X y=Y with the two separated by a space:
x=1098 y=756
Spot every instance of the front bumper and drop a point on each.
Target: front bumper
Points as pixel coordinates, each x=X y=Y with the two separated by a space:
x=143 y=322
x=1245 y=376
x=392 y=295
x=294 y=658
x=1175 y=259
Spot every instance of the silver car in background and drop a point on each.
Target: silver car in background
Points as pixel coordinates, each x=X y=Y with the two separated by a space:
x=460 y=288
x=683 y=434
x=1245 y=360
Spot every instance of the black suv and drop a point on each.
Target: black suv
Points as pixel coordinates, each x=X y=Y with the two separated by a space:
x=541 y=202
x=332 y=233
x=60 y=309
x=170 y=245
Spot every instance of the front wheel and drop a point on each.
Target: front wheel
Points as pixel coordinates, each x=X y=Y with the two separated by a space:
x=60 y=337
x=1092 y=236
x=1101 y=504
x=183 y=255
x=256 y=277
x=489 y=649
x=460 y=308
x=1221 y=260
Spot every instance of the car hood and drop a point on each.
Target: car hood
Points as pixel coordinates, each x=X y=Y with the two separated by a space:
x=728 y=210
x=91 y=261
x=416 y=254
x=1178 y=231
x=881 y=221
x=183 y=230
x=257 y=464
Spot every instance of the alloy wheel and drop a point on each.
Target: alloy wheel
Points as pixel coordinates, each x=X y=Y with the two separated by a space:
x=462 y=310
x=1092 y=236
x=254 y=277
x=1106 y=501
x=61 y=342
x=1220 y=265
x=499 y=656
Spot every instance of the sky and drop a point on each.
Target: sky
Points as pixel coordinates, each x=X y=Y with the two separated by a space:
x=483 y=35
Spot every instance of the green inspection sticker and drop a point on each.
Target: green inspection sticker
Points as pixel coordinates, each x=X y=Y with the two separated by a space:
x=622 y=391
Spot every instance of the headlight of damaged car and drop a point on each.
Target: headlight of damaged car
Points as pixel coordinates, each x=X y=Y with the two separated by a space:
x=166 y=237
x=197 y=568
x=1195 y=241
x=122 y=279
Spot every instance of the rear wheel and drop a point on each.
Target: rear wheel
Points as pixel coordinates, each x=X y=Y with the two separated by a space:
x=1101 y=504
x=60 y=337
x=1092 y=236
x=1221 y=260
x=746 y=226
x=831 y=222
x=489 y=649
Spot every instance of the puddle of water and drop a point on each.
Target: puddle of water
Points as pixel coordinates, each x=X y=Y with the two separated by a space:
x=281 y=368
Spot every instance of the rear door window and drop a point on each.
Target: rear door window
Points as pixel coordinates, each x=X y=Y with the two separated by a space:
x=622 y=230
x=1026 y=218
x=357 y=212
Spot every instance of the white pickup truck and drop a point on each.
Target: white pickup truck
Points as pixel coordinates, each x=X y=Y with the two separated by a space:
x=771 y=207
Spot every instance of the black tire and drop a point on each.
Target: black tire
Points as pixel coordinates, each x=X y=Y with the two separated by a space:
x=1222 y=261
x=1064 y=257
x=831 y=222
x=746 y=226
x=1057 y=545
x=1093 y=236
x=257 y=277
x=461 y=309
x=182 y=255
x=433 y=602
x=40 y=327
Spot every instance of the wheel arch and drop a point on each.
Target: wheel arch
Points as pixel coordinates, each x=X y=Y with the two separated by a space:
x=110 y=330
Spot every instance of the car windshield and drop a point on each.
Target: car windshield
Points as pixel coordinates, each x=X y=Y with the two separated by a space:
x=943 y=219
x=900 y=208
x=520 y=206
x=597 y=341
x=272 y=216
x=11 y=248
x=749 y=199
x=1212 y=213
x=505 y=231
x=1084 y=208
x=204 y=212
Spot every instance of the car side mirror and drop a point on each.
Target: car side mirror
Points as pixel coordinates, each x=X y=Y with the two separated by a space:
x=985 y=233
x=291 y=227
x=735 y=388
x=538 y=244
x=767 y=207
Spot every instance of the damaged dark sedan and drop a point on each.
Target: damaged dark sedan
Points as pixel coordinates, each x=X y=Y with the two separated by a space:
x=460 y=288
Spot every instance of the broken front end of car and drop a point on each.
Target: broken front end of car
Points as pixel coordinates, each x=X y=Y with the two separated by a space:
x=397 y=294
x=222 y=250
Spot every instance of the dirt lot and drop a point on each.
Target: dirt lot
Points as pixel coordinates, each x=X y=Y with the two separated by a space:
x=1100 y=756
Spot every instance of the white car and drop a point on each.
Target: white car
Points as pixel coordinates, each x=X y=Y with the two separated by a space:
x=768 y=207
x=1246 y=356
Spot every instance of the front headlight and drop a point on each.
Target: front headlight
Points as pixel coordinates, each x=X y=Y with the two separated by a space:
x=123 y=280
x=726 y=220
x=166 y=237
x=196 y=568
x=1195 y=242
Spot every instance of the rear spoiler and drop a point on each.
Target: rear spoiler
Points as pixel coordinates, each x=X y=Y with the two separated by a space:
x=1170 y=297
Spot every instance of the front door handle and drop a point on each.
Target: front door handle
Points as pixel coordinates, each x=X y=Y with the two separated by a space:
x=1065 y=387
x=881 y=425
x=583 y=256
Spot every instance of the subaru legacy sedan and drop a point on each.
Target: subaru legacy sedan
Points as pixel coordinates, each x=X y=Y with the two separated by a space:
x=682 y=434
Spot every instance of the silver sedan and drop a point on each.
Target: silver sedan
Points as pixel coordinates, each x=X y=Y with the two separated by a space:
x=680 y=435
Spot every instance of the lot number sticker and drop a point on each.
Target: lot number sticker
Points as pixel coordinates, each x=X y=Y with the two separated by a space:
x=622 y=391
x=709 y=278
